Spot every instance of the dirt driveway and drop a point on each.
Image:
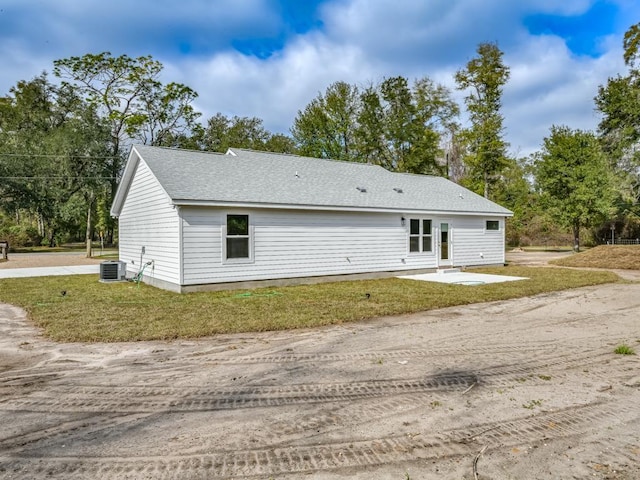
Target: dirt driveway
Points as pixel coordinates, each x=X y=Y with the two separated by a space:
x=533 y=383
x=30 y=260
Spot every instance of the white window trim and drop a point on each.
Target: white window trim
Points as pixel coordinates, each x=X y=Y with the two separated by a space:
x=421 y=236
x=251 y=236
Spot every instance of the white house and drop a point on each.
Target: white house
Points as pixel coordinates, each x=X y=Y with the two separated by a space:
x=198 y=220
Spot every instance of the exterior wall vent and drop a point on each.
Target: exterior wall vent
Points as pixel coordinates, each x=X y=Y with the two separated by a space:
x=113 y=271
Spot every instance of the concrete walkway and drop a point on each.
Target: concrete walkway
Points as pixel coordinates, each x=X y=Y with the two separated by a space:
x=48 y=271
x=462 y=278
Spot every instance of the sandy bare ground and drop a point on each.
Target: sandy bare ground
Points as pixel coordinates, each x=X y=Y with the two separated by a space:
x=533 y=383
x=24 y=260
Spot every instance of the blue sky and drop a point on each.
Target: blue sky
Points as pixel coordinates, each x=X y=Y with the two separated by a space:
x=269 y=58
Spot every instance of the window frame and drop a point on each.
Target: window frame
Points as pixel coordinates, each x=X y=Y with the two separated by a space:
x=487 y=229
x=421 y=236
x=249 y=236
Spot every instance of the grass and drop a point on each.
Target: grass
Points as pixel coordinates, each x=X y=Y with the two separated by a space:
x=66 y=248
x=624 y=350
x=91 y=311
x=532 y=404
x=604 y=256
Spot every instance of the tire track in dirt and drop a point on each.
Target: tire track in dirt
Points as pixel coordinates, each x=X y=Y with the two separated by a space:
x=366 y=356
x=140 y=399
x=154 y=399
x=330 y=456
x=86 y=423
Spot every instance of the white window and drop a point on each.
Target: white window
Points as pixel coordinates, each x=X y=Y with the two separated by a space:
x=420 y=236
x=238 y=242
x=493 y=225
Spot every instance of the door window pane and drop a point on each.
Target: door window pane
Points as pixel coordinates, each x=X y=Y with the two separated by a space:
x=444 y=241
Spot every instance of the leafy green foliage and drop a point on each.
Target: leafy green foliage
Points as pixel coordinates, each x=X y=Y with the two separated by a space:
x=631 y=45
x=514 y=190
x=393 y=124
x=325 y=128
x=222 y=132
x=574 y=179
x=127 y=93
x=52 y=154
x=484 y=77
x=619 y=128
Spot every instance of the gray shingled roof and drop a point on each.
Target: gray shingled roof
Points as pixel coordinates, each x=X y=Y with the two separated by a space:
x=252 y=177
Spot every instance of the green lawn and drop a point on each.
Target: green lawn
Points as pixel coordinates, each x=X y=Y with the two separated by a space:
x=91 y=311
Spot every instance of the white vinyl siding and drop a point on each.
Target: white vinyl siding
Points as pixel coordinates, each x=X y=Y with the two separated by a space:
x=149 y=220
x=473 y=244
x=289 y=243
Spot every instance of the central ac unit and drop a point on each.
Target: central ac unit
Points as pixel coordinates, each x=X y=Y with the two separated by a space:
x=113 y=271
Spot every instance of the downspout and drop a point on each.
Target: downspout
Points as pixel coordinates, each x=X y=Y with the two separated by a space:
x=180 y=246
x=451 y=245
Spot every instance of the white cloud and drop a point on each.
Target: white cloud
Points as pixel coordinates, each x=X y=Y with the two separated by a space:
x=550 y=86
x=361 y=41
x=276 y=88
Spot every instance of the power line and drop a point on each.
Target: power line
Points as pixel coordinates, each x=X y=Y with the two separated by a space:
x=56 y=178
x=55 y=156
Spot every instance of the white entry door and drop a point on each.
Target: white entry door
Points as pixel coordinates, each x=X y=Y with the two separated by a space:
x=444 y=244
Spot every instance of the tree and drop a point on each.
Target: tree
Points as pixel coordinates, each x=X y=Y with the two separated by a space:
x=434 y=125
x=484 y=76
x=325 y=128
x=515 y=191
x=619 y=128
x=370 y=136
x=401 y=127
x=573 y=179
x=126 y=91
x=222 y=133
x=55 y=147
x=392 y=124
x=280 y=143
x=167 y=112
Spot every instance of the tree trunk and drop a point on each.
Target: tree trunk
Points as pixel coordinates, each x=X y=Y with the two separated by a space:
x=576 y=237
x=486 y=186
x=41 y=231
x=88 y=232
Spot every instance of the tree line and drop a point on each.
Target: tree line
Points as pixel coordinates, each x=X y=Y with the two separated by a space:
x=63 y=144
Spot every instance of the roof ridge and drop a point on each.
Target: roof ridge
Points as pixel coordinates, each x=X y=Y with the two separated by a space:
x=253 y=150
x=264 y=152
x=178 y=149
